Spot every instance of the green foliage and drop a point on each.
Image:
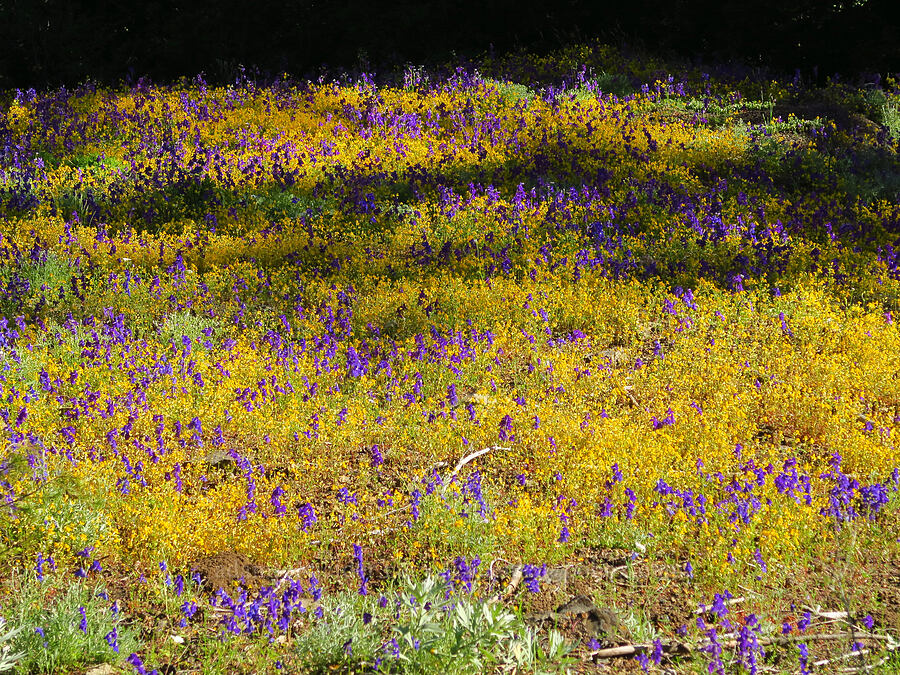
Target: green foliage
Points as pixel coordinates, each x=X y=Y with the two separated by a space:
x=33 y=281
x=58 y=504
x=890 y=117
x=444 y=529
x=278 y=204
x=614 y=83
x=65 y=342
x=74 y=202
x=62 y=626
x=512 y=92
x=185 y=323
x=8 y=658
x=424 y=628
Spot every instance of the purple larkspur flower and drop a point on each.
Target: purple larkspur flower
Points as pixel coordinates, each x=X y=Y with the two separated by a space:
x=307 y=515
x=112 y=639
x=531 y=576
x=363 y=579
x=377 y=456
x=804 y=658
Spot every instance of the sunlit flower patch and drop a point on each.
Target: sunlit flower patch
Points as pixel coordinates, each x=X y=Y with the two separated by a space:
x=457 y=318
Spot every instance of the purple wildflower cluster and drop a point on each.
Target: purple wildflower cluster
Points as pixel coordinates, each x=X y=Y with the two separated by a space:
x=462 y=574
x=269 y=611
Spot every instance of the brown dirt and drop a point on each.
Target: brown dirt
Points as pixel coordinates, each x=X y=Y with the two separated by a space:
x=653 y=589
x=229 y=569
x=886 y=592
x=664 y=597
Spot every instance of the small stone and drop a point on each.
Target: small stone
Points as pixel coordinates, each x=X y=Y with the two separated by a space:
x=558 y=576
x=102 y=669
x=599 y=620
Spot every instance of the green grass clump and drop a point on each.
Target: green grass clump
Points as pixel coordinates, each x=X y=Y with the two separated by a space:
x=8 y=658
x=60 y=626
x=424 y=628
x=890 y=116
x=186 y=324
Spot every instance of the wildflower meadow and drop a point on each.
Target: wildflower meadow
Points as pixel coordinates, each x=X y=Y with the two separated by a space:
x=585 y=362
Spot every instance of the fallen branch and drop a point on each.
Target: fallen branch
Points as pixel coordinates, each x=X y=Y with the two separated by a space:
x=284 y=575
x=514 y=582
x=821 y=637
x=863 y=669
x=627 y=390
x=438 y=465
x=750 y=591
x=674 y=647
x=618 y=652
x=842 y=657
x=491 y=567
x=827 y=615
x=288 y=572
x=405 y=507
x=468 y=458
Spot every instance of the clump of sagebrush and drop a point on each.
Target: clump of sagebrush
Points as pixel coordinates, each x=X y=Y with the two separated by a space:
x=34 y=281
x=186 y=324
x=423 y=627
x=61 y=624
x=8 y=658
x=890 y=116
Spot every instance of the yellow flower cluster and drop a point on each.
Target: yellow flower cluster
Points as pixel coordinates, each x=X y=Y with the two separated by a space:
x=273 y=320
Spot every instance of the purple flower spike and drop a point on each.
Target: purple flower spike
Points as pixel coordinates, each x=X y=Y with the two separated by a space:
x=112 y=639
x=363 y=579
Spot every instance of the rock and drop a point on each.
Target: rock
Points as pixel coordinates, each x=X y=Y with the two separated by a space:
x=558 y=576
x=600 y=621
x=102 y=669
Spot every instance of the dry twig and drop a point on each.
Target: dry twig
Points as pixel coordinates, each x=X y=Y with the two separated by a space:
x=674 y=647
x=468 y=458
x=842 y=657
x=514 y=582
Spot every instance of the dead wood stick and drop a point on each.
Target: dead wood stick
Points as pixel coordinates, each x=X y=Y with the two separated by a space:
x=491 y=568
x=811 y=637
x=749 y=591
x=842 y=657
x=514 y=582
x=617 y=652
x=288 y=572
x=863 y=669
x=627 y=390
x=630 y=650
x=475 y=455
x=405 y=507
x=827 y=615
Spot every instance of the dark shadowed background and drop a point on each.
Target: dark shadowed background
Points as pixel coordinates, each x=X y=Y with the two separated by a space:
x=52 y=42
